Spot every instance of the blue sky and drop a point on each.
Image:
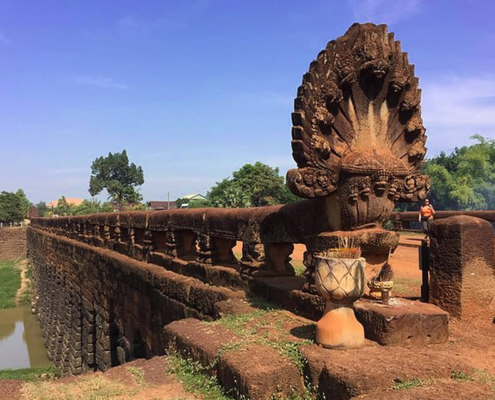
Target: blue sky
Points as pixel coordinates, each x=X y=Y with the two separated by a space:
x=195 y=89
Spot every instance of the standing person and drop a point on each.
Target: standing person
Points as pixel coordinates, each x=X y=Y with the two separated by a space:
x=426 y=216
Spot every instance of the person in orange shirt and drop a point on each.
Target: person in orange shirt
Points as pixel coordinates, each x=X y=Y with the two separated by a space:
x=426 y=216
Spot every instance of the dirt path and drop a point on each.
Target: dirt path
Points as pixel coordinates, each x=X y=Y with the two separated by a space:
x=137 y=380
x=23 y=265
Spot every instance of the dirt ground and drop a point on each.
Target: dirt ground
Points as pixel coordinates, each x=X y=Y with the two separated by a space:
x=137 y=380
x=23 y=265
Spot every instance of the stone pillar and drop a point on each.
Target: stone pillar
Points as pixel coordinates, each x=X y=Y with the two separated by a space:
x=462 y=279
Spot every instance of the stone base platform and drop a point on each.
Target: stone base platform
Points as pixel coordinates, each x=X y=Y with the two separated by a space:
x=403 y=322
x=257 y=371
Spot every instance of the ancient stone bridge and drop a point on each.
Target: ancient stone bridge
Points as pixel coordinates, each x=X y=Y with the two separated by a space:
x=106 y=285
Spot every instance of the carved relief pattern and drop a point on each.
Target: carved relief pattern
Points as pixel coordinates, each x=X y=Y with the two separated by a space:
x=357 y=128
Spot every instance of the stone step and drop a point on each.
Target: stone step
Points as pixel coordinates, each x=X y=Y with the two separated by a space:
x=345 y=374
x=251 y=371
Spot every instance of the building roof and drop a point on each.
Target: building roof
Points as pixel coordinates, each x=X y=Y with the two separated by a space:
x=70 y=200
x=195 y=196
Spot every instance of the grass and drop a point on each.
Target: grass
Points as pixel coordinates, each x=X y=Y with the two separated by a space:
x=400 y=384
x=10 y=282
x=406 y=287
x=459 y=376
x=483 y=377
x=138 y=374
x=194 y=379
x=92 y=387
x=30 y=374
x=298 y=267
x=251 y=327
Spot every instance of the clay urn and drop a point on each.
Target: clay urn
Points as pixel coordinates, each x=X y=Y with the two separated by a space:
x=341 y=281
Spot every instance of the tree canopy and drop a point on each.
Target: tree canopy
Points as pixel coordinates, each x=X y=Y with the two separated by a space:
x=464 y=179
x=64 y=208
x=253 y=185
x=11 y=207
x=119 y=177
x=42 y=208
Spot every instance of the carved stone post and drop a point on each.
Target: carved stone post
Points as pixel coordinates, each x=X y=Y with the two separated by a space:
x=148 y=243
x=221 y=251
x=253 y=258
x=462 y=277
x=204 y=253
x=170 y=245
x=278 y=258
x=185 y=243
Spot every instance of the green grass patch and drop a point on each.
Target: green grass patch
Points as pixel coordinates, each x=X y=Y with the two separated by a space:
x=242 y=324
x=400 y=384
x=194 y=379
x=406 y=287
x=10 y=282
x=484 y=377
x=30 y=374
x=298 y=267
x=251 y=327
x=138 y=374
x=459 y=376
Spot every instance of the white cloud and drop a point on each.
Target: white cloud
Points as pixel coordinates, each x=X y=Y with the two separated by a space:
x=455 y=108
x=384 y=11
x=99 y=81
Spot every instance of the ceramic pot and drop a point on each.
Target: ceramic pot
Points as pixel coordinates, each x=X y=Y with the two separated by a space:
x=341 y=281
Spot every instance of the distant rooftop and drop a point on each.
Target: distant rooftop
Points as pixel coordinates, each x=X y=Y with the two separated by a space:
x=70 y=200
x=195 y=196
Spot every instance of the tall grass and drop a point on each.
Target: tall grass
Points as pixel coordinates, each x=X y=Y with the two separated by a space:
x=10 y=282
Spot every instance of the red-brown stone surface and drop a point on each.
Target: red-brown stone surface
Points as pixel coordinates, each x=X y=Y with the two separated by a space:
x=462 y=276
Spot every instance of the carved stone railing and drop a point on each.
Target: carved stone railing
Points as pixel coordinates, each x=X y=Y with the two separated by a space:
x=206 y=237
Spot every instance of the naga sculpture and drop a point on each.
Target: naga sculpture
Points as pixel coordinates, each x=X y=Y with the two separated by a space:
x=358 y=136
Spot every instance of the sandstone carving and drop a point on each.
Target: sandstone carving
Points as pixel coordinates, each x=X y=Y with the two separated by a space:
x=358 y=136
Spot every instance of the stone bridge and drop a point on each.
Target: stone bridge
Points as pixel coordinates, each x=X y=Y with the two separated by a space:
x=106 y=285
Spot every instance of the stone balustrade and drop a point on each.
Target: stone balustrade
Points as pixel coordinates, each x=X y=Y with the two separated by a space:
x=185 y=240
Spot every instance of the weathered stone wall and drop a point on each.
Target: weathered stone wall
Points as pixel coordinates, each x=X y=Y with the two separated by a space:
x=12 y=243
x=98 y=308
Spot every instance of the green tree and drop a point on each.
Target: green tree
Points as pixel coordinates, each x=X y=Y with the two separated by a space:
x=464 y=179
x=252 y=185
x=234 y=197
x=42 y=208
x=200 y=203
x=25 y=203
x=11 y=208
x=63 y=208
x=118 y=177
x=92 y=206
